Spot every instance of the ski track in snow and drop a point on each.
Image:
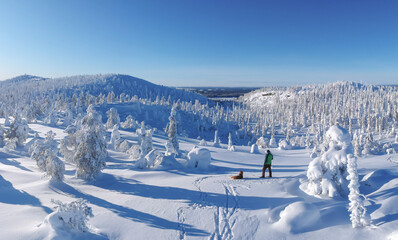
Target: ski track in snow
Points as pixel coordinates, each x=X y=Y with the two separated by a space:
x=223 y=214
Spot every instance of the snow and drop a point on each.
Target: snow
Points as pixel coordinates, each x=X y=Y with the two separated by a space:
x=178 y=203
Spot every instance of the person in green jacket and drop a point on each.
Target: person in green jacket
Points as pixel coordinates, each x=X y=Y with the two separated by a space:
x=267 y=164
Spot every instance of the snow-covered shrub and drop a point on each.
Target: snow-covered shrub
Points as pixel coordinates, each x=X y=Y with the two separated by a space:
x=254 y=149
x=272 y=142
x=262 y=142
x=327 y=173
x=199 y=158
x=11 y=144
x=129 y=123
x=73 y=215
x=45 y=155
x=91 y=152
x=51 y=118
x=202 y=143
x=124 y=146
x=113 y=118
x=147 y=161
x=172 y=132
x=19 y=129
x=135 y=152
x=166 y=161
x=284 y=145
x=358 y=211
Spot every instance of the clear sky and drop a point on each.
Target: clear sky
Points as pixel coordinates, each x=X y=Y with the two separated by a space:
x=203 y=42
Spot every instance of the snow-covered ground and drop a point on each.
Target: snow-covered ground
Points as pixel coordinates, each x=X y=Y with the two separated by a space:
x=182 y=203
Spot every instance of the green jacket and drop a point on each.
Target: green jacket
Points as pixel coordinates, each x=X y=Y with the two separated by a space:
x=268 y=159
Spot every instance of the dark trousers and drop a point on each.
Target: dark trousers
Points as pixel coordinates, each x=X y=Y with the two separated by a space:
x=269 y=169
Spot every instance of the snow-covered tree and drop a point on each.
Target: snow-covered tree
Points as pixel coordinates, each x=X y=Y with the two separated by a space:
x=18 y=130
x=272 y=142
x=91 y=152
x=115 y=138
x=216 y=142
x=231 y=146
x=172 y=131
x=146 y=143
x=262 y=142
x=69 y=143
x=2 y=131
x=356 y=207
x=128 y=123
x=327 y=174
x=45 y=155
x=113 y=118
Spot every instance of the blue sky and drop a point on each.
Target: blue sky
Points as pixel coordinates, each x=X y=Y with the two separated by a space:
x=203 y=42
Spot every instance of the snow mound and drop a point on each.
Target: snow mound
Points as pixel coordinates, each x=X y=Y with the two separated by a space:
x=199 y=158
x=393 y=236
x=375 y=180
x=298 y=216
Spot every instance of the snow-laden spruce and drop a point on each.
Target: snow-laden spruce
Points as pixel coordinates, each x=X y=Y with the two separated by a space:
x=45 y=155
x=327 y=174
x=91 y=152
x=358 y=215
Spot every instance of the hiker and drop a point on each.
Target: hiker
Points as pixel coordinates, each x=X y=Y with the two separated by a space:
x=267 y=164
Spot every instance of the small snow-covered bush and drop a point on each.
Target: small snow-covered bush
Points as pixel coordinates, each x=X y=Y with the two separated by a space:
x=73 y=215
x=135 y=152
x=254 y=149
x=272 y=143
x=262 y=142
x=284 y=145
x=115 y=138
x=199 y=158
x=129 y=123
x=172 y=131
x=124 y=146
x=203 y=143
